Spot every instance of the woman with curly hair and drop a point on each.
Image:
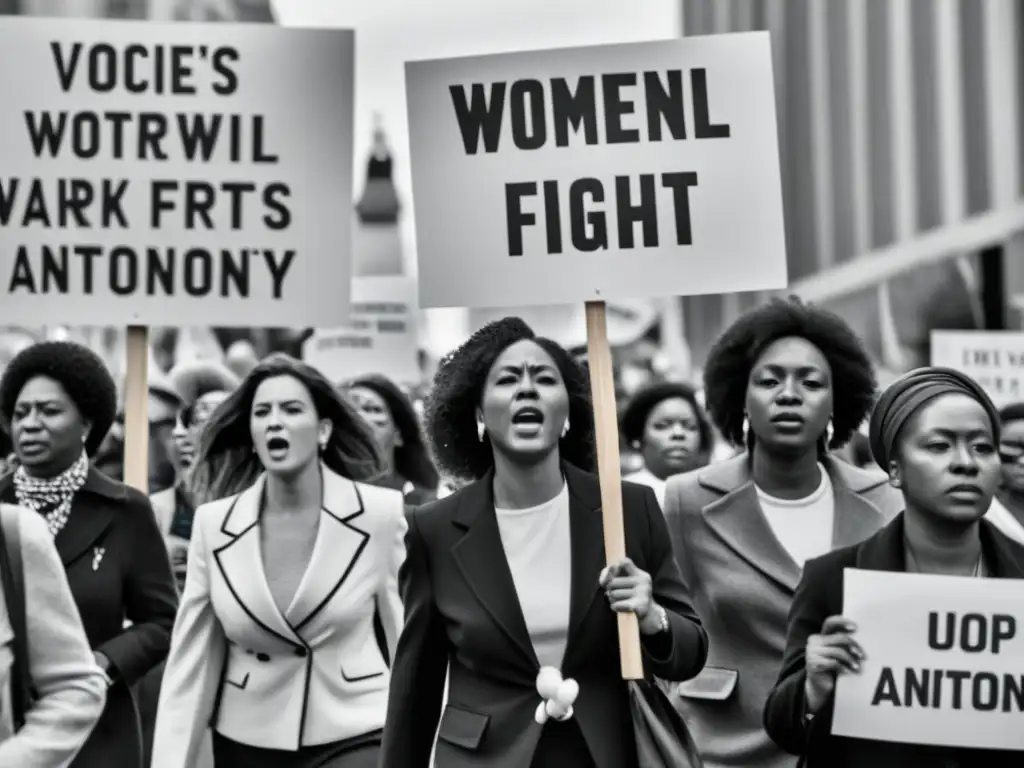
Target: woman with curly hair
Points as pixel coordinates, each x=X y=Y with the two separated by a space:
x=789 y=382
x=502 y=578
x=665 y=424
x=58 y=400
x=936 y=432
x=397 y=428
x=290 y=567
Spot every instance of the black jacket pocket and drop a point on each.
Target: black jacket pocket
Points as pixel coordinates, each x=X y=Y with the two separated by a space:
x=463 y=728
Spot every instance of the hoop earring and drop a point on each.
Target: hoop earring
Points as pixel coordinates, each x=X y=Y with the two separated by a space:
x=829 y=433
x=565 y=427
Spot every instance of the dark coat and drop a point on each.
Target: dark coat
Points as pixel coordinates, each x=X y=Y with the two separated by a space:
x=819 y=596
x=118 y=569
x=462 y=615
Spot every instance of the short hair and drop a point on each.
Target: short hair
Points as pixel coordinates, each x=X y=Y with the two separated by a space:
x=1011 y=413
x=458 y=388
x=647 y=398
x=80 y=371
x=734 y=354
x=196 y=378
x=225 y=462
x=412 y=459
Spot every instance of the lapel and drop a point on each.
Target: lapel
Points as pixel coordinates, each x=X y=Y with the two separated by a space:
x=339 y=544
x=92 y=513
x=737 y=518
x=588 y=555
x=337 y=548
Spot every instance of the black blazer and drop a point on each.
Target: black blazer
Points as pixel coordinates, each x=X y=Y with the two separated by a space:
x=462 y=615
x=117 y=565
x=819 y=596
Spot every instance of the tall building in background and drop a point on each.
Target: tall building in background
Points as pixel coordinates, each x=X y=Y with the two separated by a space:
x=901 y=133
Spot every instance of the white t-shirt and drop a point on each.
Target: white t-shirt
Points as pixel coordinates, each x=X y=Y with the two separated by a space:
x=539 y=552
x=646 y=477
x=803 y=526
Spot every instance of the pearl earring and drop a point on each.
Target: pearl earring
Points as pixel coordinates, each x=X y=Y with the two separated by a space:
x=746 y=430
x=565 y=427
x=480 y=428
x=829 y=433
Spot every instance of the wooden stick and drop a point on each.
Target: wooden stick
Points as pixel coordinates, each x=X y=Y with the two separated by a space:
x=136 y=408
x=606 y=423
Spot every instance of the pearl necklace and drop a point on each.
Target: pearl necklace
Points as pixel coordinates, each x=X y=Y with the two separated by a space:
x=52 y=497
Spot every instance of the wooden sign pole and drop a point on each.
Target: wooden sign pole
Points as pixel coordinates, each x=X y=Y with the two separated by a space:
x=136 y=408
x=606 y=424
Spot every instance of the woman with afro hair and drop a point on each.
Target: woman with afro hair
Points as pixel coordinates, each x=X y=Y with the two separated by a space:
x=397 y=428
x=57 y=400
x=505 y=577
x=665 y=424
x=788 y=382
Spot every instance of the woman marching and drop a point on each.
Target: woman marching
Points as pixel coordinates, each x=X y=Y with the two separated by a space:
x=937 y=432
x=397 y=428
x=789 y=382
x=665 y=424
x=59 y=400
x=503 y=577
x=274 y=645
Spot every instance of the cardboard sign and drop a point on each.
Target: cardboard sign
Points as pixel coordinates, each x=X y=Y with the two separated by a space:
x=608 y=172
x=995 y=359
x=380 y=337
x=174 y=174
x=945 y=660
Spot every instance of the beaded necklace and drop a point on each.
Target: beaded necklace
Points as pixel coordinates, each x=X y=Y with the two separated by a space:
x=52 y=497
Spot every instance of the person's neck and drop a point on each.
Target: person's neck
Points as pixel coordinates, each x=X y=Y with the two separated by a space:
x=941 y=548
x=295 y=493
x=518 y=486
x=53 y=469
x=786 y=475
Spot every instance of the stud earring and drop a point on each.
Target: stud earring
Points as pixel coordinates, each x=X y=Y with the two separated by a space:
x=829 y=433
x=565 y=427
x=480 y=428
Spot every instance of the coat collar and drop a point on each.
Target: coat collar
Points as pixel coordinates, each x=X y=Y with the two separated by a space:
x=885 y=551
x=480 y=556
x=737 y=519
x=339 y=544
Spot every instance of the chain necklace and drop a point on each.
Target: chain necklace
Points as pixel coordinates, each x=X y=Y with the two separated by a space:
x=912 y=565
x=52 y=497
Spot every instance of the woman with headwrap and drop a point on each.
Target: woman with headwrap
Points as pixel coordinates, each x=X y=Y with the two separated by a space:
x=790 y=383
x=936 y=432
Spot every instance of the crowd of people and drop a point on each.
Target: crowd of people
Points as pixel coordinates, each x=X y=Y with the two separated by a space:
x=325 y=574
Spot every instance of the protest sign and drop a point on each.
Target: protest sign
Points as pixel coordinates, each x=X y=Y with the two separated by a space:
x=607 y=172
x=945 y=661
x=170 y=174
x=995 y=359
x=380 y=336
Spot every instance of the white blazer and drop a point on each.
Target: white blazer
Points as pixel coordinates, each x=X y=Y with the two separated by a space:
x=311 y=675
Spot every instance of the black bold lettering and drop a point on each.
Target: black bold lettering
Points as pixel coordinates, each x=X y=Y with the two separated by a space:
x=275 y=200
x=88 y=254
x=702 y=125
x=973 y=641
x=124 y=271
x=532 y=136
x=552 y=217
x=222 y=60
x=36 y=211
x=161 y=271
x=985 y=692
x=102 y=68
x=45 y=134
x=85 y=135
x=948 y=632
x=680 y=184
x=113 y=203
x=117 y=121
x=199 y=135
x=181 y=70
x=234 y=273
x=885 y=689
x=198 y=268
x=615 y=108
x=278 y=268
x=21 y=275
x=515 y=217
x=1004 y=627
x=74 y=197
x=958 y=676
x=645 y=212
x=259 y=152
x=200 y=197
x=665 y=105
x=157 y=203
x=1013 y=693
x=55 y=269
x=66 y=67
x=480 y=117
x=589 y=228
x=571 y=110
x=152 y=131
x=916 y=688
x=8 y=194
x=237 y=191
x=135 y=57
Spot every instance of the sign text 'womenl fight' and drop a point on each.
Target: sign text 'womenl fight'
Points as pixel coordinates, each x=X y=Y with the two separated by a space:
x=71 y=207
x=612 y=108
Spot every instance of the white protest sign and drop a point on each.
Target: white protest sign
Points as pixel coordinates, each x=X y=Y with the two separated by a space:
x=598 y=173
x=945 y=660
x=381 y=336
x=174 y=174
x=995 y=359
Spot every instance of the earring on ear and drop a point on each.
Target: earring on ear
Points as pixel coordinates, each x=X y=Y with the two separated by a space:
x=829 y=432
x=565 y=427
x=895 y=482
x=323 y=445
x=480 y=428
x=746 y=429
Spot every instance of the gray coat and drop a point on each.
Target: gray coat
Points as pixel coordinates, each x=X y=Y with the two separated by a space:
x=742 y=582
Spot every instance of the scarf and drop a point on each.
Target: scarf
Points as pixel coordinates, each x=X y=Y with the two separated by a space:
x=52 y=497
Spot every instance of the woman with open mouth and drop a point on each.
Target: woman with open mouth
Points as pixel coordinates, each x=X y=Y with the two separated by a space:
x=665 y=424
x=936 y=432
x=505 y=577
x=291 y=609
x=789 y=383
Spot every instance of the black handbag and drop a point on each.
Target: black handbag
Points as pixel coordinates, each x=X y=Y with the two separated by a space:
x=662 y=738
x=12 y=577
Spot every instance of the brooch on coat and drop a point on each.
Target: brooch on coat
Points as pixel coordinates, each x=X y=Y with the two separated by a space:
x=97 y=557
x=558 y=695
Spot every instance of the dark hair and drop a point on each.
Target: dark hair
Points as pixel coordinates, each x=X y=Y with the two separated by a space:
x=646 y=399
x=196 y=378
x=736 y=351
x=79 y=370
x=1012 y=412
x=225 y=463
x=412 y=459
x=458 y=388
